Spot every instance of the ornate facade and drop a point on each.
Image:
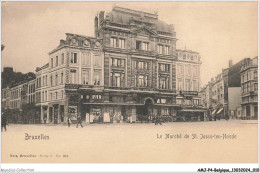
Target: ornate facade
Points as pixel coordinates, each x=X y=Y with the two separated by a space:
x=127 y=70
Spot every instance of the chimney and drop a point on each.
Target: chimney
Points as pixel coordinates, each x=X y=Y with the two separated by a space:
x=230 y=63
x=96 y=27
x=101 y=17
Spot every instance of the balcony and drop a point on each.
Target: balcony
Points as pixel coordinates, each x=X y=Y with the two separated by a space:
x=143 y=52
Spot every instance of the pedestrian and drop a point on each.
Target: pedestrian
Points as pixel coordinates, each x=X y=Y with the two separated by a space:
x=79 y=121
x=69 y=121
x=3 y=122
x=157 y=119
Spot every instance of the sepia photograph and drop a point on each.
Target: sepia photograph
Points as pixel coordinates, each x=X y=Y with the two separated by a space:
x=130 y=82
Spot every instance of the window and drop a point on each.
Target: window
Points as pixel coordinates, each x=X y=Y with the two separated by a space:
x=121 y=43
x=139 y=45
x=74 y=58
x=188 y=85
x=179 y=84
x=97 y=77
x=141 y=80
x=85 y=77
x=146 y=46
x=56 y=79
x=167 y=48
x=113 y=42
x=160 y=49
x=43 y=81
x=61 y=78
x=46 y=77
x=180 y=69
x=141 y=65
x=51 y=80
x=56 y=95
x=46 y=96
x=195 y=85
x=164 y=67
x=62 y=58
x=50 y=96
x=86 y=59
x=116 y=62
x=184 y=56
x=51 y=62
x=97 y=61
x=255 y=74
x=73 y=75
x=163 y=82
x=57 y=61
x=249 y=75
x=255 y=87
x=43 y=96
x=61 y=94
x=195 y=70
x=117 y=79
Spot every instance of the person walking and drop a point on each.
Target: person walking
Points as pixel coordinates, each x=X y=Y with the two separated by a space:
x=69 y=121
x=79 y=121
x=158 y=119
x=3 y=122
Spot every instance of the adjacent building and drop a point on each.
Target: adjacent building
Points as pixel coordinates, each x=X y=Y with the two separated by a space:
x=222 y=95
x=188 y=84
x=249 y=88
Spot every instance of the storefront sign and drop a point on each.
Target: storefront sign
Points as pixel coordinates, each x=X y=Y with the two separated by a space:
x=71 y=86
x=190 y=93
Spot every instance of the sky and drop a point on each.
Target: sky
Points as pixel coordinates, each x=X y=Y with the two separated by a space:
x=219 y=31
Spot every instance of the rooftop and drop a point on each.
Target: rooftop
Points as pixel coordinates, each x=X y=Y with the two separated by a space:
x=124 y=16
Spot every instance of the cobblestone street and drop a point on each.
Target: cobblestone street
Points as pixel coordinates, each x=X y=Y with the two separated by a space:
x=180 y=142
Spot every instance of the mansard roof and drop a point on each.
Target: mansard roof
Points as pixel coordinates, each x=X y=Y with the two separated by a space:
x=124 y=16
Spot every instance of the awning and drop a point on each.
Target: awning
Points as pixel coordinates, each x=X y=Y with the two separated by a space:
x=221 y=109
x=191 y=110
x=214 y=111
x=122 y=104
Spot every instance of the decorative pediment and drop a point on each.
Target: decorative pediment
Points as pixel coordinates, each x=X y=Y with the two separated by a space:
x=144 y=31
x=74 y=41
x=97 y=44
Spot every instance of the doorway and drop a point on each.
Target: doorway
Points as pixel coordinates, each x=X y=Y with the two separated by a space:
x=248 y=111
x=148 y=107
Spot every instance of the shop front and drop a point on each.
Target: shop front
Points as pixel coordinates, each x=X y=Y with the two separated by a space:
x=191 y=114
